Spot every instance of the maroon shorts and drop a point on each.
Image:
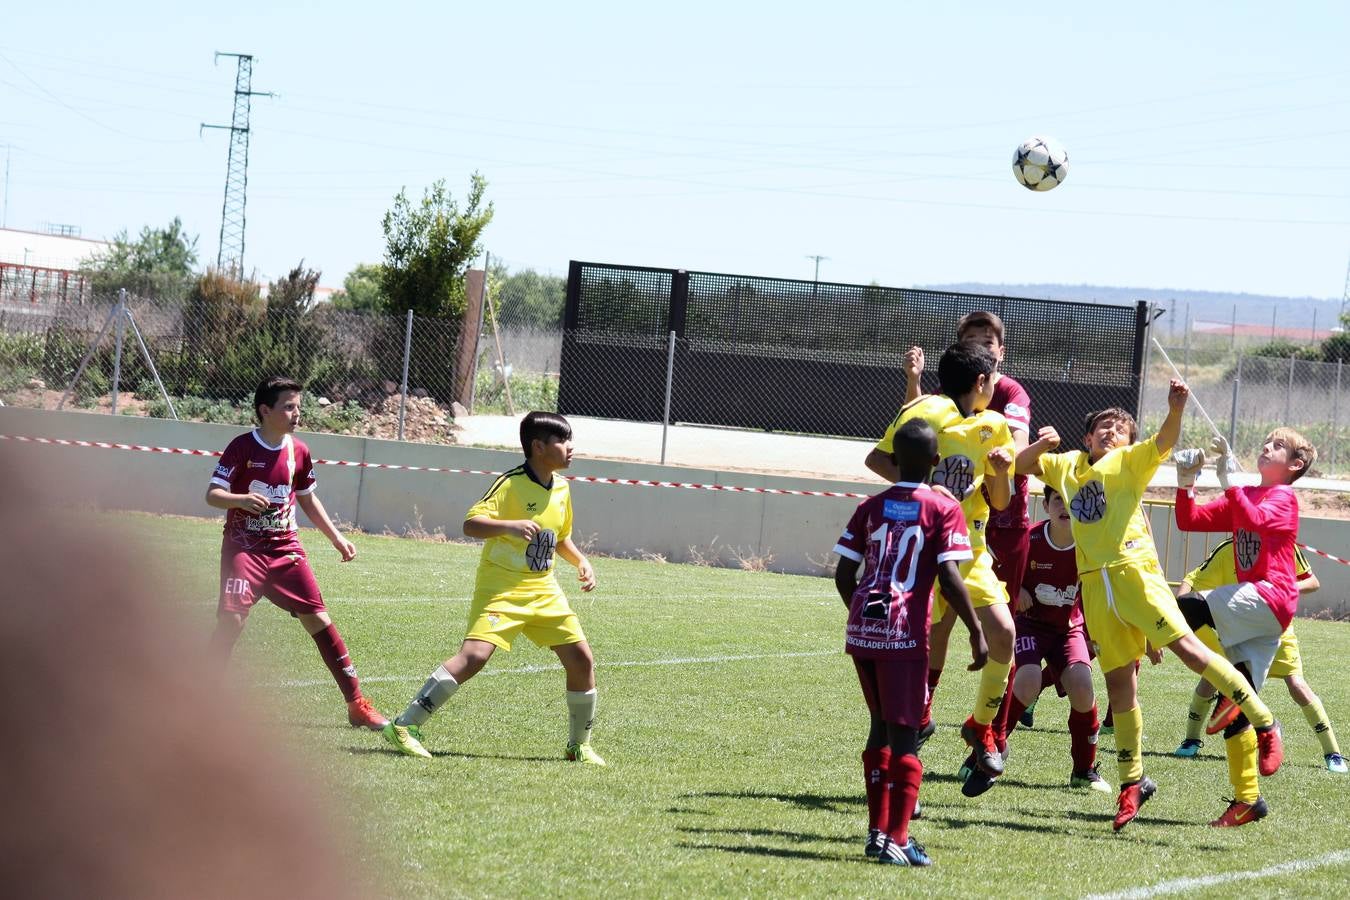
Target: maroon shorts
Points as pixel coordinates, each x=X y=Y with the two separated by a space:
x=1010 y=548
x=1037 y=642
x=896 y=690
x=246 y=576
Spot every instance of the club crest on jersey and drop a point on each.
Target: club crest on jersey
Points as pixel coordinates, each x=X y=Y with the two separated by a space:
x=900 y=510
x=256 y=464
x=985 y=433
x=957 y=474
x=1246 y=548
x=1014 y=411
x=276 y=493
x=1049 y=595
x=1089 y=504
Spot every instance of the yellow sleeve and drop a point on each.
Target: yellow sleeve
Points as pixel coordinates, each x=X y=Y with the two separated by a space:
x=1054 y=466
x=887 y=442
x=1003 y=440
x=1301 y=566
x=491 y=503
x=566 y=531
x=1142 y=459
x=1216 y=571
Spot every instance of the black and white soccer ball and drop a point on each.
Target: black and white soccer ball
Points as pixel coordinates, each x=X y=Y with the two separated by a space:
x=1040 y=164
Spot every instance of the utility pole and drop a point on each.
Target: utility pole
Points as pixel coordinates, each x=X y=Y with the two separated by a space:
x=1345 y=292
x=4 y=217
x=230 y=259
x=818 y=258
x=816 y=279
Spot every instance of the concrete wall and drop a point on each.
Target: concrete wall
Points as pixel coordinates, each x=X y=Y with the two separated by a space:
x=797 y=532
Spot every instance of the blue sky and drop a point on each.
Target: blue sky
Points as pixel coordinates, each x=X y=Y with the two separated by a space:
x=1209 y=143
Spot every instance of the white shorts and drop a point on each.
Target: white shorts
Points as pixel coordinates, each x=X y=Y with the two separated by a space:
x=1247 y=628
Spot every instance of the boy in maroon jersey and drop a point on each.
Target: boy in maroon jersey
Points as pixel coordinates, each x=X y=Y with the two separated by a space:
x=261 y=478
x=904 y=537
x=1049 y=624
x=1006 y=533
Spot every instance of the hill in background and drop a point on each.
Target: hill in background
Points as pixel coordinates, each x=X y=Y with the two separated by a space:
x=1205 y=306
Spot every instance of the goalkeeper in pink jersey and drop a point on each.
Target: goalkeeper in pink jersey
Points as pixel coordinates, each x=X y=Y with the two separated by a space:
x=1248 y=616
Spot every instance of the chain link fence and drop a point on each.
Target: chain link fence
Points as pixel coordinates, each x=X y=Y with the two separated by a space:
x=1248 y=396
x=209 y=357
x=519 y=348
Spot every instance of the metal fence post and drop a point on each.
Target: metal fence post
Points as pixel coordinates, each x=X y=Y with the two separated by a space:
x=670 y=381
x=403 y=395
x=121 y=336
x=1336 y=415
x=1289 y=391
x=1237 y=390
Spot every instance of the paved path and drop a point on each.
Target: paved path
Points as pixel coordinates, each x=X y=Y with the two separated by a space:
x=729 y=449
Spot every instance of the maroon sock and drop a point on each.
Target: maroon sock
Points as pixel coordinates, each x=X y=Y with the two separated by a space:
x=1083 y=738
x=876 y=775
x=906 y=773
x=1002 y=718
x=223 y=640
x=934 y=676
x=334 y=653
x=1015 y=709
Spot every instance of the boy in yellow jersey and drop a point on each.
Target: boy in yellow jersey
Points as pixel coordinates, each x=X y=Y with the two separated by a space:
x=523 y=519
x=1215 y=572
x=1126 y=601
x=976 y=450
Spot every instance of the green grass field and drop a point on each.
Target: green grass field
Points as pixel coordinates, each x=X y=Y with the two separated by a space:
x=732 y=723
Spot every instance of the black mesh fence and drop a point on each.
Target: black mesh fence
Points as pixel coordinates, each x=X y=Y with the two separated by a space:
x=818 y=358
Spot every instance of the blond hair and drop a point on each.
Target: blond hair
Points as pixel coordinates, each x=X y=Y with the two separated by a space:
x=1300 y=448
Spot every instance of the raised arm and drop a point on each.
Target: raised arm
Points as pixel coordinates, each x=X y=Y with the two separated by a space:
x=1170 y=432
x=1029 y=458
x=1215 y=515
x=913 y=370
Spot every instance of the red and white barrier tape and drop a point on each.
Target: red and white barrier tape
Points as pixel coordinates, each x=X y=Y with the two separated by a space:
x=1325 y=554
x=585 y=479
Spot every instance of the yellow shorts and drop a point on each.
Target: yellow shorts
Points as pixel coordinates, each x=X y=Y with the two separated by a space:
x=1125 y=605
x=1288 y=661
x=541 y=613
x=981 y=583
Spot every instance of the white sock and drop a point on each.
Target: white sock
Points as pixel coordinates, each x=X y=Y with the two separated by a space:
x=440 y=687
x=580 y=715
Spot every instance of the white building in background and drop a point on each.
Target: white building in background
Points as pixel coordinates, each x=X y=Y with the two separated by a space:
x=46 y=251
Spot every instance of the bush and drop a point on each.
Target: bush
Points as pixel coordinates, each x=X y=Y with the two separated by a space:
x=529 y=391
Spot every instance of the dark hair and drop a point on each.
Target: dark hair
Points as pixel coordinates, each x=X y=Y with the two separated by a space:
x=979 y=319
x=1049 y=492
x=961 y=365
x=1094 y=419
x=270 y=389
x=913 y=450
x=540 y=426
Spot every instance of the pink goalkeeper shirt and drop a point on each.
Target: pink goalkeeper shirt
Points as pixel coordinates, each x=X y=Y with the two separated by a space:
x=1264 y=524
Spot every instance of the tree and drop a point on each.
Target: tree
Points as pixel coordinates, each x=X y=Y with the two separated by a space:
x=527 y=298
x=157 y=265
x=362 y=290
x=429 y=246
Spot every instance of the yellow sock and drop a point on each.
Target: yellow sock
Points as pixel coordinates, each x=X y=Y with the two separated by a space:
x=1321 y=726
x=1231 y=684
x=993 y=685
x=1130 y=744
x=1241 y=752
x=1195 y=716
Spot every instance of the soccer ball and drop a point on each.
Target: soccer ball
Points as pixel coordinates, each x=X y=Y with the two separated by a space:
x=1040 y=164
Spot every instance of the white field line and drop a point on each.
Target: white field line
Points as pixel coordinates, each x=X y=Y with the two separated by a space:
x=1336 y=857
x=554 y=667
